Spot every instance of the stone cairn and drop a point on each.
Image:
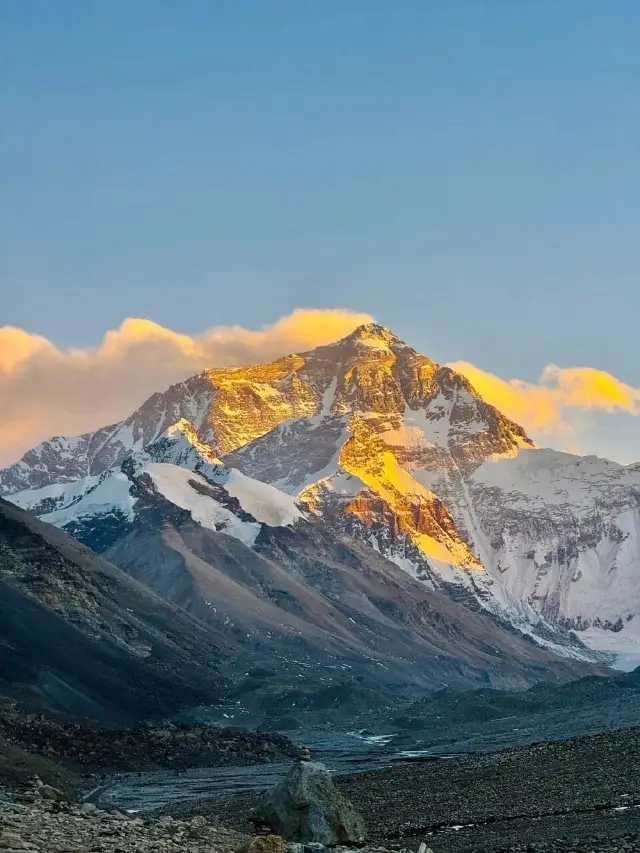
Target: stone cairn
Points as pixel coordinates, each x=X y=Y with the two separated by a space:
x=304 y=754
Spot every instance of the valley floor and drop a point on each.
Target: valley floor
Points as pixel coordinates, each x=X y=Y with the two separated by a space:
x=582 y=794
x=578 y=794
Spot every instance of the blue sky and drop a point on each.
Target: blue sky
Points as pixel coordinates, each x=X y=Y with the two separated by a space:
x=468 y=171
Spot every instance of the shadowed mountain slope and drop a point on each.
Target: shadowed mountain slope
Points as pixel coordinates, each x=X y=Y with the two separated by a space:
x=78 y=635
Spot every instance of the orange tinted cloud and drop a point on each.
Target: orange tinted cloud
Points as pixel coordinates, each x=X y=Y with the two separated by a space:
x=17 y=346
x=555 y=404
x=591 y=389
x=46 y=391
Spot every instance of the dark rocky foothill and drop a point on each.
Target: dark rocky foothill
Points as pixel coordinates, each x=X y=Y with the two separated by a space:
x=142 y=748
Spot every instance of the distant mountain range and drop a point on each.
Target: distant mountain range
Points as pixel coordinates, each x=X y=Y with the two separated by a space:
x=357 y=505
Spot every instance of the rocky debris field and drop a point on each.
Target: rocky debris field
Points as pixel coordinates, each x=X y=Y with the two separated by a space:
x=551 y=784
x=32 y=822
x=148 y=747
x=582 y=794
x=43 y=825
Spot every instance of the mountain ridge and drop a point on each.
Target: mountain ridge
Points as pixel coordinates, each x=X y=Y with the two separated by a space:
x=209 y=555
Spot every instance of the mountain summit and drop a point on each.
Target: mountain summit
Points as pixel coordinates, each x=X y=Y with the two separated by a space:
x=383 y=444
x=369 y=372
x=373 y=331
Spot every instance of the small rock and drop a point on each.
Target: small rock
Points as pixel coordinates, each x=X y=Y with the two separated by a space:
x=29 y=797
x=263 y=844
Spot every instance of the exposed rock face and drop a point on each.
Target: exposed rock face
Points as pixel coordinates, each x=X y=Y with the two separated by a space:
x=384 y=444
x=62 y=460
x=370 y=371
x=307 y=807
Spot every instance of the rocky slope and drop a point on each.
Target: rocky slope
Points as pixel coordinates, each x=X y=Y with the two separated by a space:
x=385 y=445
x=78 y=635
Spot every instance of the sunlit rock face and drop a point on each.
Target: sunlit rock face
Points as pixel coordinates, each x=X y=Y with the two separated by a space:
x=386 y=445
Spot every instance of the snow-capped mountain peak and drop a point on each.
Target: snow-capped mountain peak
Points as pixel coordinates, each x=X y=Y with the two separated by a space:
x=370 y=371
x=386 y=445
x=375 y=336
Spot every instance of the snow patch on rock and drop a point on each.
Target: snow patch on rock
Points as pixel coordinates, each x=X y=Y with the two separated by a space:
x=264 y=502
x=175 y=484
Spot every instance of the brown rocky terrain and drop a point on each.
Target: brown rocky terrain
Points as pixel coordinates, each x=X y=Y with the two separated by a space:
x=307 y=594
x=33 y=823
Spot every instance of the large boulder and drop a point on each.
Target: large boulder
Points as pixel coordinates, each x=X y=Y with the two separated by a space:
x=307 y=807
